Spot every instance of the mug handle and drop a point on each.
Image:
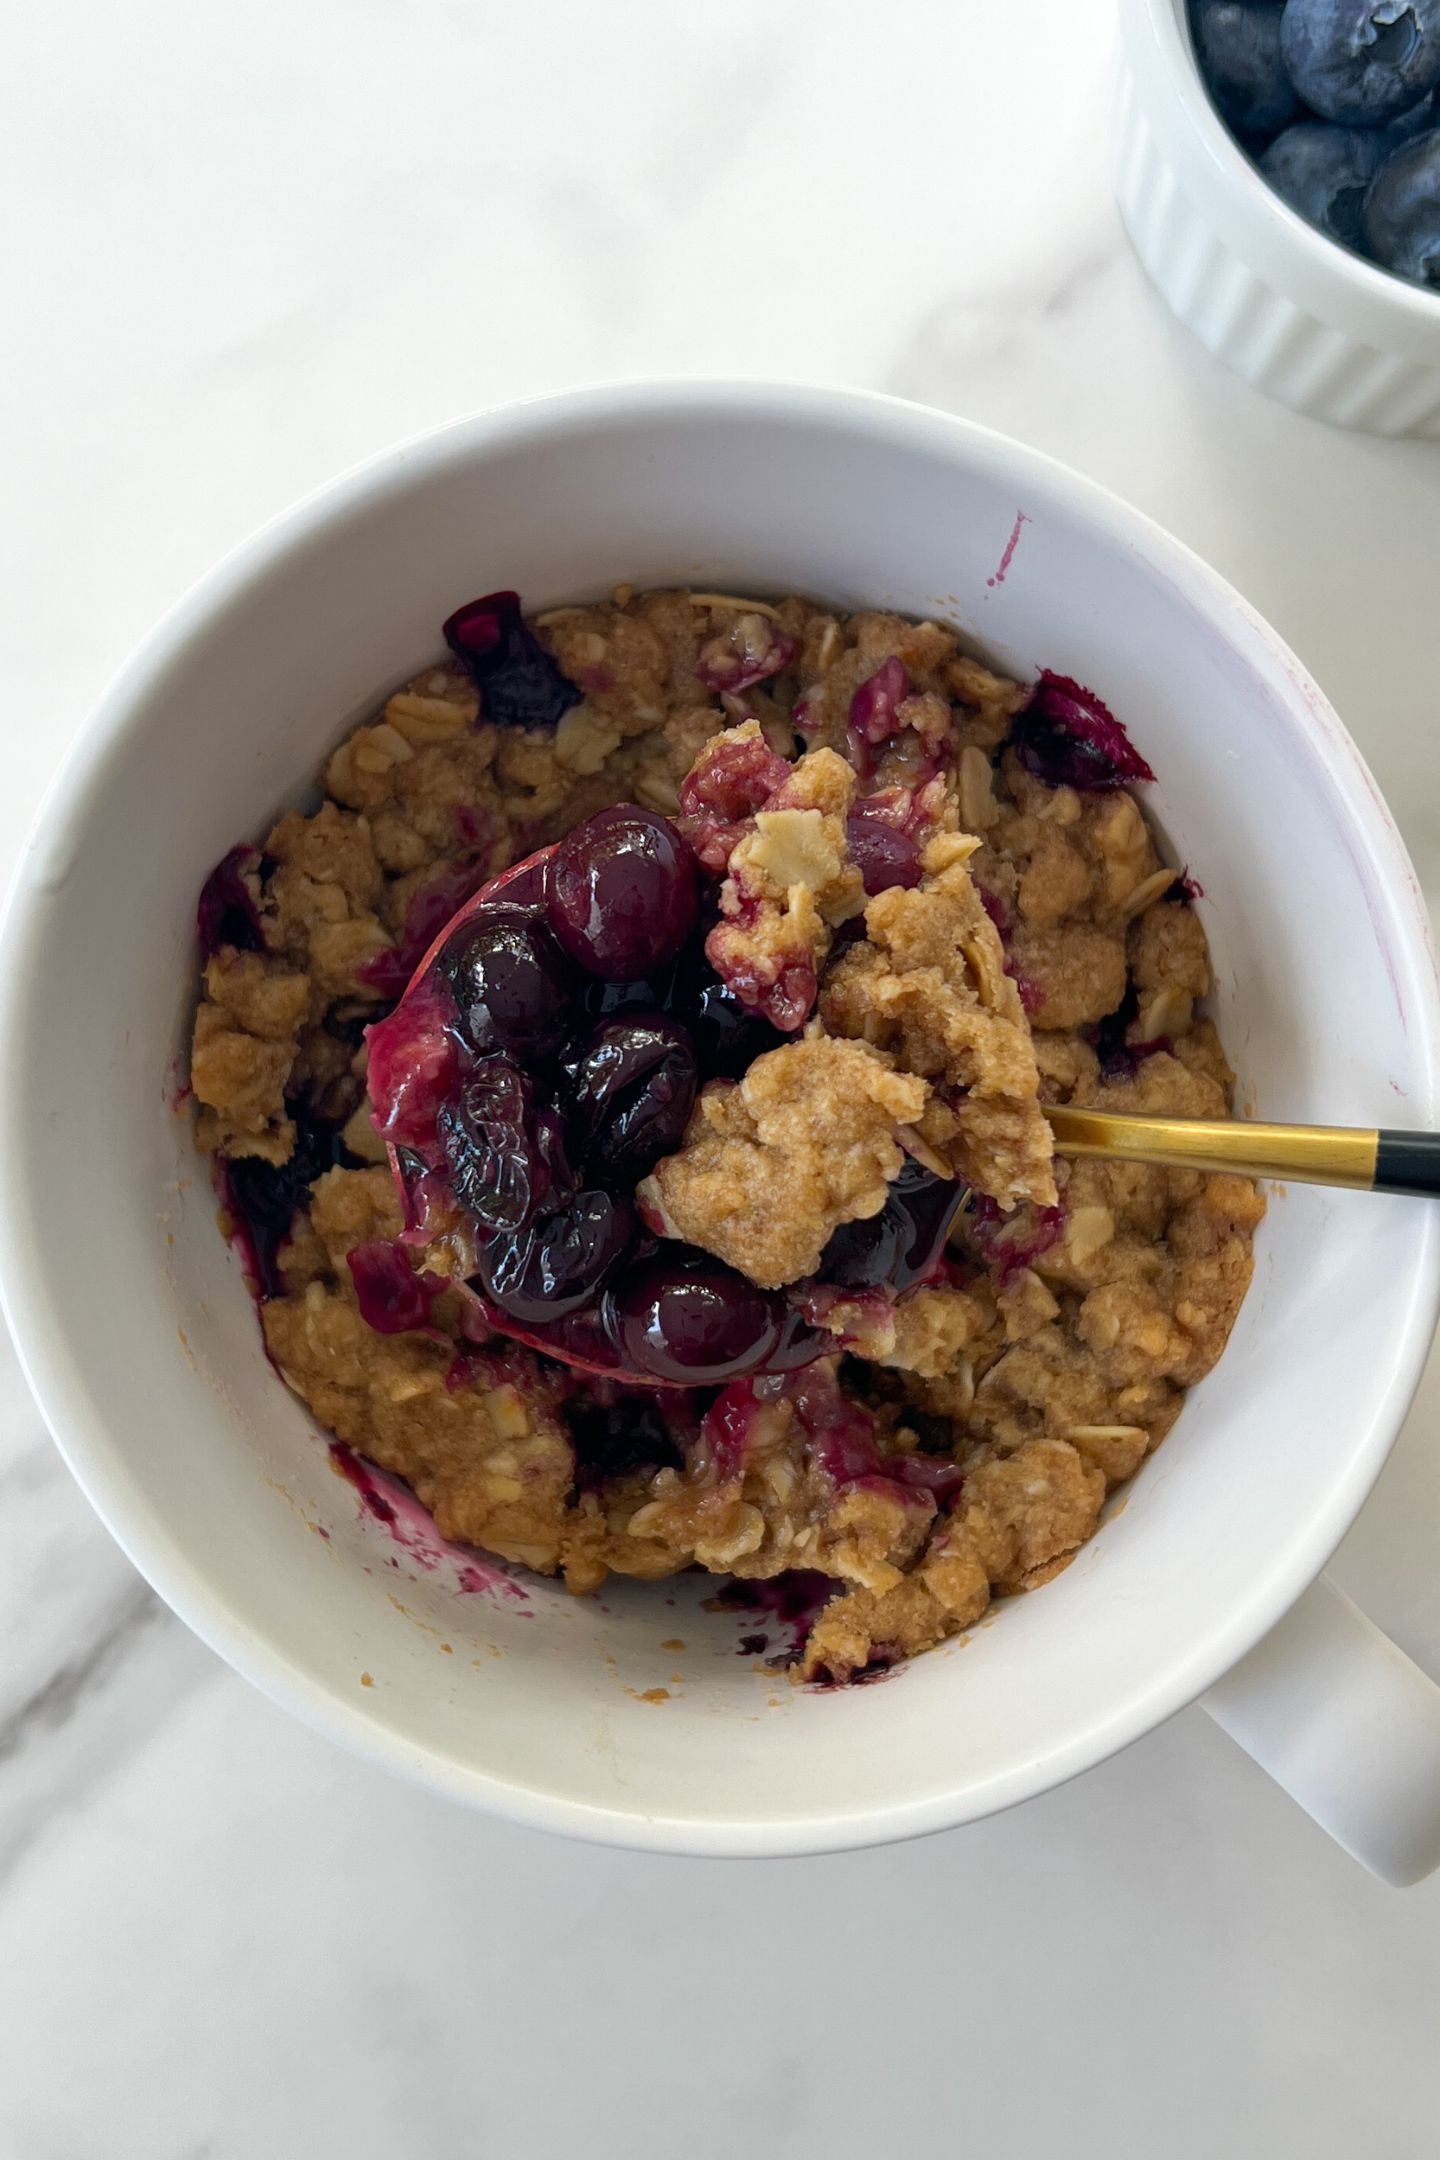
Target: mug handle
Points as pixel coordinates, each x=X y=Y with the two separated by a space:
x=1348 y=1726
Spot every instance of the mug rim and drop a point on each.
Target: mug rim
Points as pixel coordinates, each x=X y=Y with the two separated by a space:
x=39 y=1327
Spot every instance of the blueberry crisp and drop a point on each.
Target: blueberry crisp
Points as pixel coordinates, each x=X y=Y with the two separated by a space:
x=628 y=1088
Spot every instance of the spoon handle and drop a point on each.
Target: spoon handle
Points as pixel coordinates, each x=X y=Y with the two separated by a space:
x=1400 y=1162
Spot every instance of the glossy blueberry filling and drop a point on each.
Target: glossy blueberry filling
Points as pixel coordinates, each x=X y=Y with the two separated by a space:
x=543 y=1062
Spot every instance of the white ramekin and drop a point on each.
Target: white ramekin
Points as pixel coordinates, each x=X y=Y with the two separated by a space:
x=627 y=1718
x=1297 y=316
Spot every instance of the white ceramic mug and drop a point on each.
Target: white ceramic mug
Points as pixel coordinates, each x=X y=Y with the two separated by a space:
x=573 y=1714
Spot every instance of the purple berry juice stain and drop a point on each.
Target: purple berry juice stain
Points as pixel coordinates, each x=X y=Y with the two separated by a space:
x=390 y=1502
x=793 y=1601
x=881 y=1666
x=1002 y=568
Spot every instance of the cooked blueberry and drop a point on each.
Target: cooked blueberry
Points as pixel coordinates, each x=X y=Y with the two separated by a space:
x=519 y=684
x=393 y=1296
x=1362 y=62
x=1402 y=211
x=728 y=1035
x=558 y=1262
x=1108 y=1039
x=500 y=1167
x=1237 y=43
x=553 y=1153
x=1008 y=1241
x=655 y=992
x=1070 y=738
x=621 y=892
x=901 y=1245
x=702 y=1323
x=263 y=1197
x=523 y=884
x=685 y=1317
x=229 y=908
x=882 y=854
x=862 y=1255
x=614 y=1439
x=1322 y=171
x=727 y=783
x=511 y=981
x=875 y=707
x=426 y=915
x=633 y=1091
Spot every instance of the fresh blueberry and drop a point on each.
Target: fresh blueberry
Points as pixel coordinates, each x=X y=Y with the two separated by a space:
x=1238 y=44
x=1362 y=62
x=1402 y=211
x=1418 y=121
x=1322 y=171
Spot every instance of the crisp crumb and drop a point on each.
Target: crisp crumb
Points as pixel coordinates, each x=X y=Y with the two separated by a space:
x=769 y=1169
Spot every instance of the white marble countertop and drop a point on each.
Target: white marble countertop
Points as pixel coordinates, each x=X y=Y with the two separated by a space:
x=246 y=247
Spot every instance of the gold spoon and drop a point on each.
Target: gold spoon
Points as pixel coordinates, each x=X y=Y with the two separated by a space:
x=1363 y=1160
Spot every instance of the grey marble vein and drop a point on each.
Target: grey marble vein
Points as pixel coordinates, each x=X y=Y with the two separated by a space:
x=55 y=1779
x=67 y=1689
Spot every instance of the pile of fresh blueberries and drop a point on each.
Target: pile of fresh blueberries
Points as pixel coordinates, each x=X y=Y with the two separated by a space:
x=1338 y=102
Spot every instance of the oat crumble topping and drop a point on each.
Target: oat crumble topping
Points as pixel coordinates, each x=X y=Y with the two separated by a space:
x=774 y=1163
